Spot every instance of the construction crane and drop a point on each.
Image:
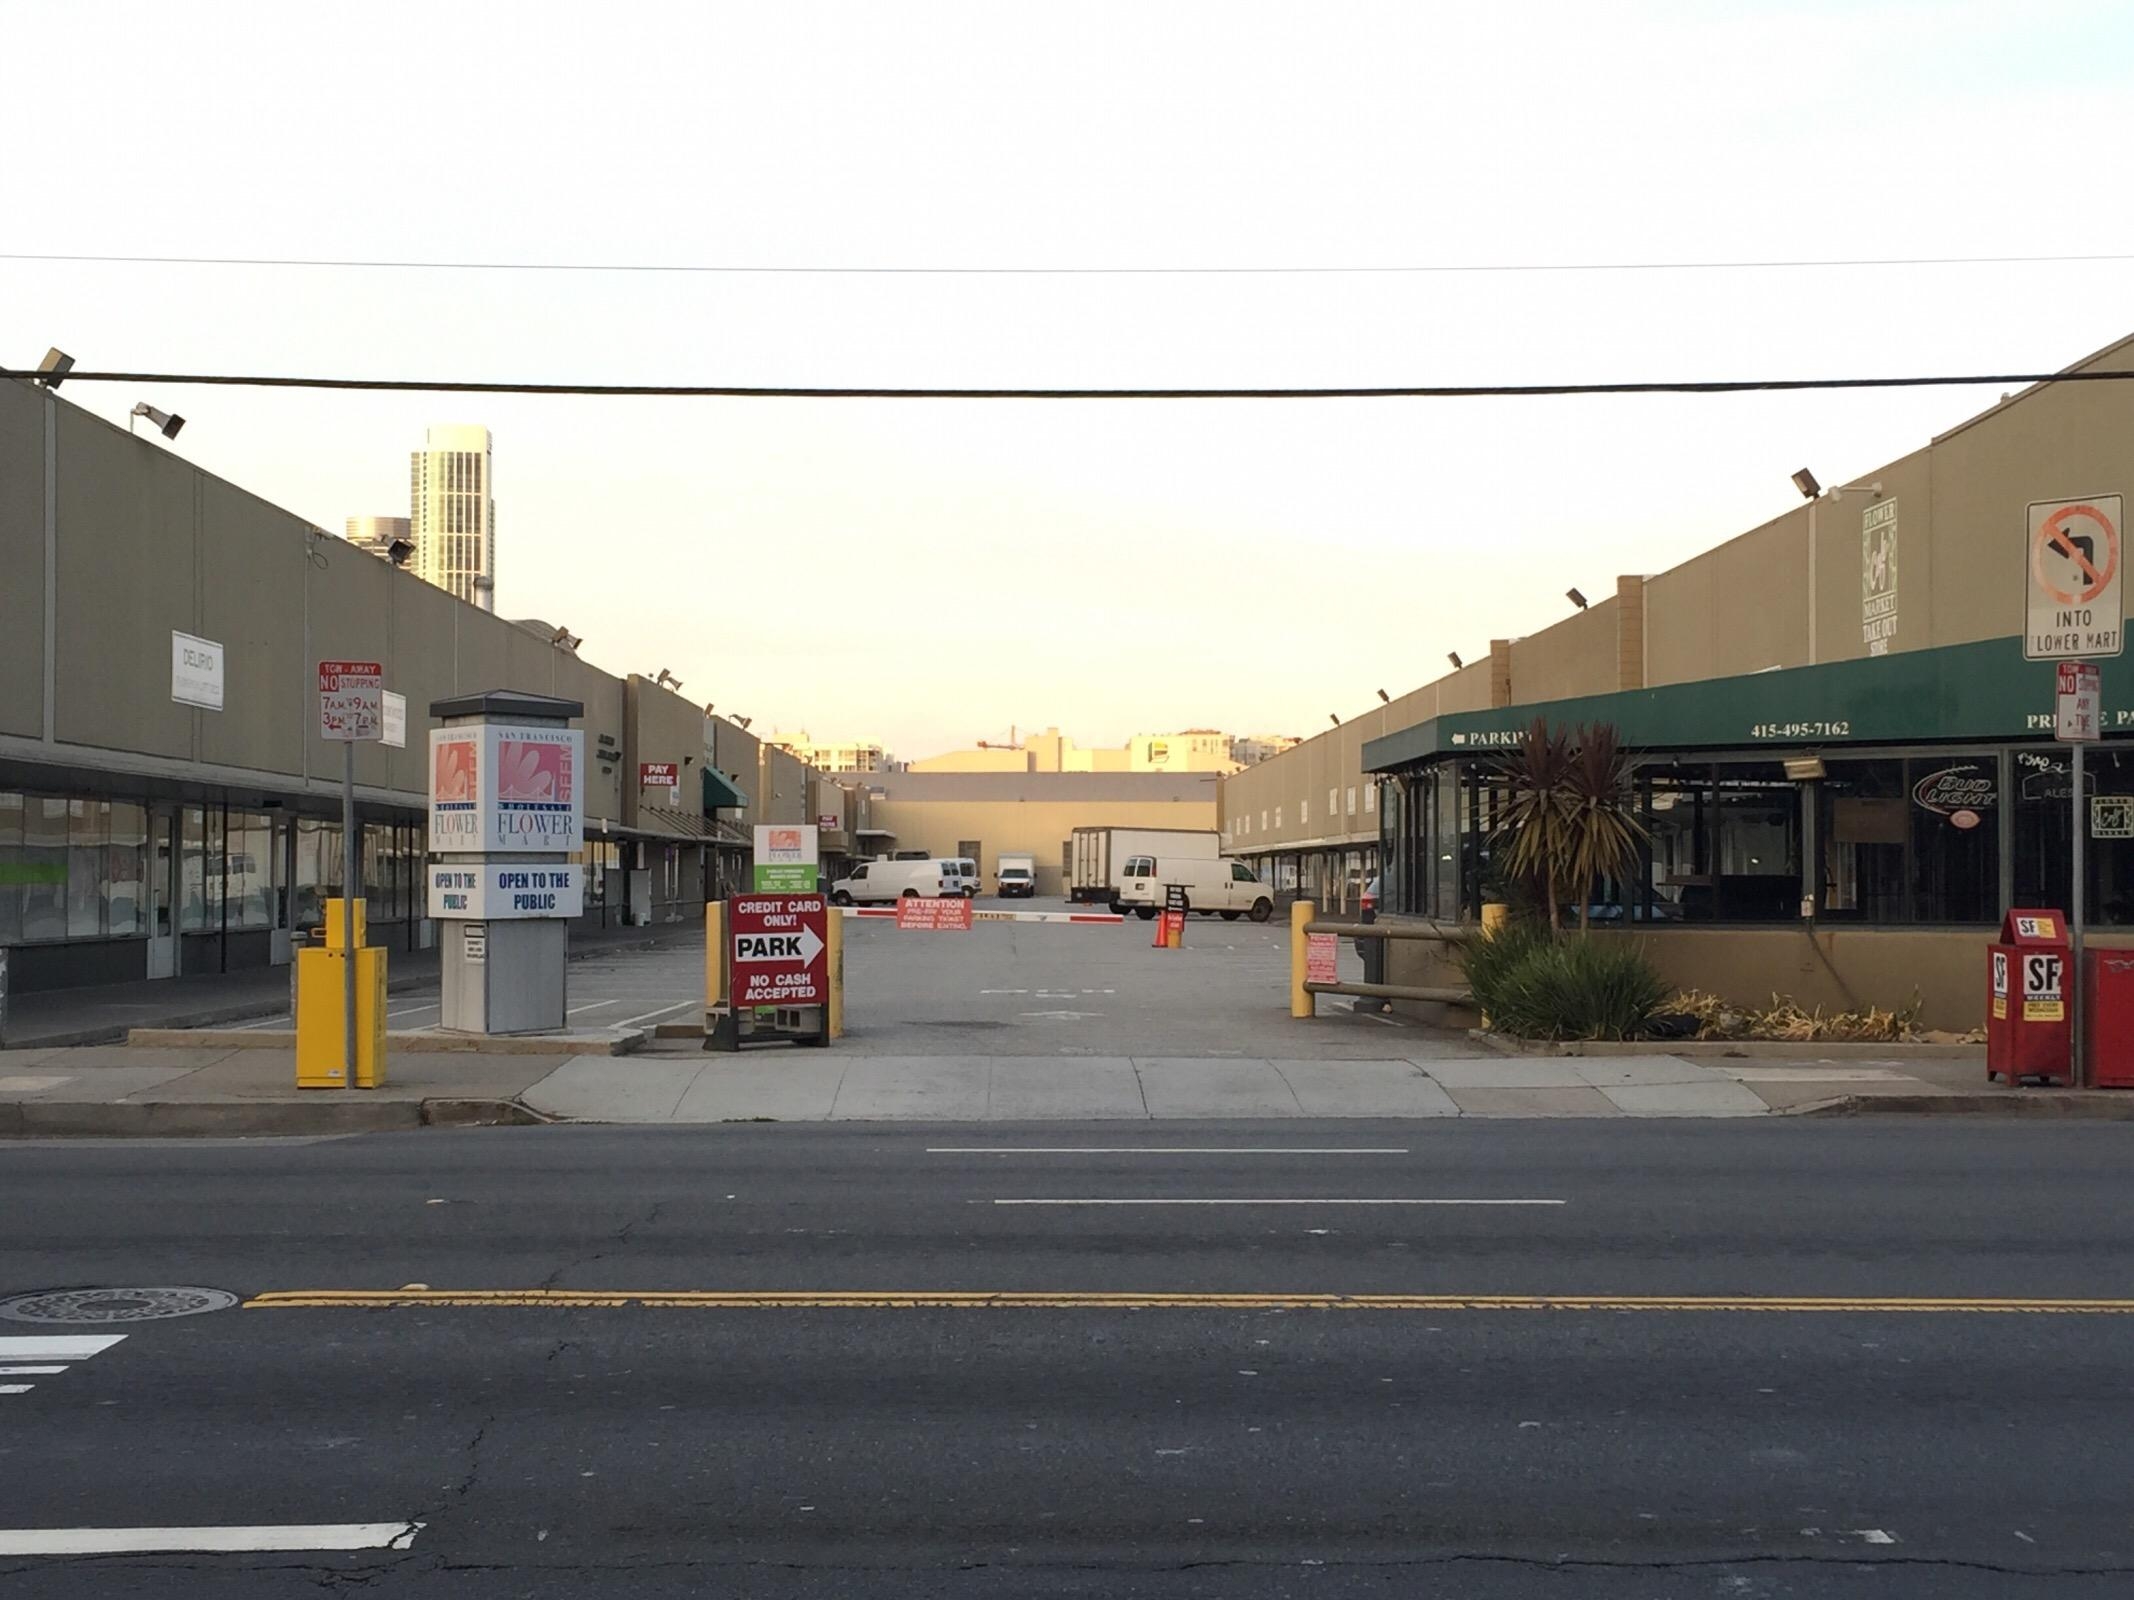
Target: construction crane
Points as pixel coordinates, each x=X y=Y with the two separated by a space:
x=1012 y=744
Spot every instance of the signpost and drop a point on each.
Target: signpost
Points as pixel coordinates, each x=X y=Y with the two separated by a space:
x=2077 y=721
x=351 y=710
x=826 y=822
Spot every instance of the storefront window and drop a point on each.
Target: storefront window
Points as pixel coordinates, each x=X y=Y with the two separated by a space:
x=250 y=863
x=2044 y=840
x=318 y=868
x=1956 y=839
x=1865 y=828
x=12 y=868
x=88 y=831
x=44 y=867
x=1756 y=856
x=2110 y=781
x=125 y=870
x=1444 y=841
x=1674 y=804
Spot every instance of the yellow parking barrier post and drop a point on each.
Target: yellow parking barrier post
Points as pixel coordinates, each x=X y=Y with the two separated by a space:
x=1302 y=1002
x=321 y=1005
x=834 y=955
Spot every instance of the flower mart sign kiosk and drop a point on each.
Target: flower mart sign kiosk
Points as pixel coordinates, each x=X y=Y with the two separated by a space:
x=507 y=813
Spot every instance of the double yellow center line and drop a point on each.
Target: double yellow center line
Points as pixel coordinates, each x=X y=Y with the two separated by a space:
x=980 y=1300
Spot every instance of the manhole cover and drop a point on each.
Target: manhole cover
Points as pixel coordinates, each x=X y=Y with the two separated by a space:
x=113 y=1305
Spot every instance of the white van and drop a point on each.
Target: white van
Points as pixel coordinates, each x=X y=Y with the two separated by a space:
x=873 y=882
x=1222 y=886
x=966 y=871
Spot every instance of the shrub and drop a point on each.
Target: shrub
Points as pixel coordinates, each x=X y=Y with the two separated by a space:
x=1537 y=986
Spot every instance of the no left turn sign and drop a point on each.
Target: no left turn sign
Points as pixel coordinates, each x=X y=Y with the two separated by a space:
x=2073 y=580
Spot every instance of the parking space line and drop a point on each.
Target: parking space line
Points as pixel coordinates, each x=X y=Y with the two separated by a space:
x=1327 y=1201
x=593 y=1005
x=663 y=1011
x=1162 y=1150
x=240 y=1540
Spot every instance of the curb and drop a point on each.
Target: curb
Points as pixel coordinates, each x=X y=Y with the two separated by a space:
x=1731 y=1049
x=2061 y=1105
x=256 y=1119
x=416 y=1042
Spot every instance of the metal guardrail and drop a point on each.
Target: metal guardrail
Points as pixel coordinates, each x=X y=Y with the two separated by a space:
x=1304 y=990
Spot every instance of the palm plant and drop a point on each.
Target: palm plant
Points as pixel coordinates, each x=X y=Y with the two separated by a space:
x=1535 y=824
x=1567 y=821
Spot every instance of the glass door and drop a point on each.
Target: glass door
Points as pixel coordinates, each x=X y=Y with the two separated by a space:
x=162 y=893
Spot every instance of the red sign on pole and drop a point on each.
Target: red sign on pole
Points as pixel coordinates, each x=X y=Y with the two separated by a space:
x=658 y=775
x=351 y=700
x=2077 y=718
x=934 y=914
x=778 y=943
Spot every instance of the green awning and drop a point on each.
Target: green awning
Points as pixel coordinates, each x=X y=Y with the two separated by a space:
x=1983 y=690
x=721 y=793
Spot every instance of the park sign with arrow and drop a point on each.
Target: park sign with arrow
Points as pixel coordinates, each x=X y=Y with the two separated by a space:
x=778 y=942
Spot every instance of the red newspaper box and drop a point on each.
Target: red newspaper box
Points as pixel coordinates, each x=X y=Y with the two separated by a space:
x=2027 y=977
x=2108 y=1017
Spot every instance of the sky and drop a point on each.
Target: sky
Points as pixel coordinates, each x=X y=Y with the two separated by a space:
x=929 y=574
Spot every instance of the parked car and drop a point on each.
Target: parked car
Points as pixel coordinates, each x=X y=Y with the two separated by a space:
x=1222 y=887
x=876 y=882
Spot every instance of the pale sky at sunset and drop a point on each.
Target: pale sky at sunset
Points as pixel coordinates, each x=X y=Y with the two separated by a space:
x=930 y=574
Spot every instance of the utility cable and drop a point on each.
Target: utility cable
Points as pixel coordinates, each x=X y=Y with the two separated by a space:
x=1302 y=270
x=1439 y=391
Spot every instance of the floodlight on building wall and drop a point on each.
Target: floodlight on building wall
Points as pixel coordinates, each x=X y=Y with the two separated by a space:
x=1804 y=480
x=164 y=421
x=1336 y=721
x=742 y=723
x=54 y=367
x=1384 y=698
x=398 y=552
x=1575 y=598
x=564 y=639
x=666 y=680
x=1804 y=769
x=1454 y=657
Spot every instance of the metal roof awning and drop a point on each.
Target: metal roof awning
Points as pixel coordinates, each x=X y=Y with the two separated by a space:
x=721 y=793
x=1981 y=690
x=657 y=822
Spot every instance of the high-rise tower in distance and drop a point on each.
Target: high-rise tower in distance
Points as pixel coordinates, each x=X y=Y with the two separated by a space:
x=452 y=509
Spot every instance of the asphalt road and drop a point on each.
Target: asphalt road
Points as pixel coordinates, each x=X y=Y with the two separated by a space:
x=559 y=1435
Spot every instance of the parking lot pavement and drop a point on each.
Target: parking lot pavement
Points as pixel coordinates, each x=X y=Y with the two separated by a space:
x=1099 y=989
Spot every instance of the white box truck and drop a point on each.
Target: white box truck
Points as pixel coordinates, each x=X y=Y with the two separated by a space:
x=1016 y=873
x=1099 y=856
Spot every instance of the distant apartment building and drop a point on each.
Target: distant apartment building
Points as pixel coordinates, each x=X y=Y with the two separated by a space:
x=1193 y=750
x=452 y=505
x=377 y=535
x=1250 y=749
x=840 y=755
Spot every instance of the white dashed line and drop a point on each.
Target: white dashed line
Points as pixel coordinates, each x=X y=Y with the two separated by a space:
x=45 y=1355
x=246 y=1540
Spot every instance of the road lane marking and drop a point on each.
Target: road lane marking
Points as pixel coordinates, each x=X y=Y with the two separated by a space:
x=925 y=1299
x=1164 y=1150
x=45 y=1354
x=663 y=1011
x=241 y=1540
x=1318 y=1202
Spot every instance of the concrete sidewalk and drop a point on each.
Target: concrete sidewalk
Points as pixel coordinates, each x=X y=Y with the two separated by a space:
x=117 y=1090
x=106 y=1013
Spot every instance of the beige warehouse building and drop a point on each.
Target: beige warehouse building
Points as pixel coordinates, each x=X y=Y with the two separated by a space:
x=1846 y=764
x=981 y=814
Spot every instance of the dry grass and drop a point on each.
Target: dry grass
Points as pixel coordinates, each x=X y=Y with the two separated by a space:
x=1786 y=1020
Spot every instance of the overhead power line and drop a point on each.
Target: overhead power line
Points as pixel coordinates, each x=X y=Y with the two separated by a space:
x=1434 y=391
x=735 y=269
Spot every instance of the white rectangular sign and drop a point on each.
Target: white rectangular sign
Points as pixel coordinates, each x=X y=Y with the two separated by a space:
x=351 y=701
x=195 y=671
x=2072 y=579
x=499 y=891
x=2076 y=715
x=396 y=721
x=498 y=787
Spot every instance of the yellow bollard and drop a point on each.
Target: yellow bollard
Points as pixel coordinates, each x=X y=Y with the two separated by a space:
x=834 y=955
x=320 y=1042
x=714 y=946
x=1494 y=916
x=1302 y=1002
